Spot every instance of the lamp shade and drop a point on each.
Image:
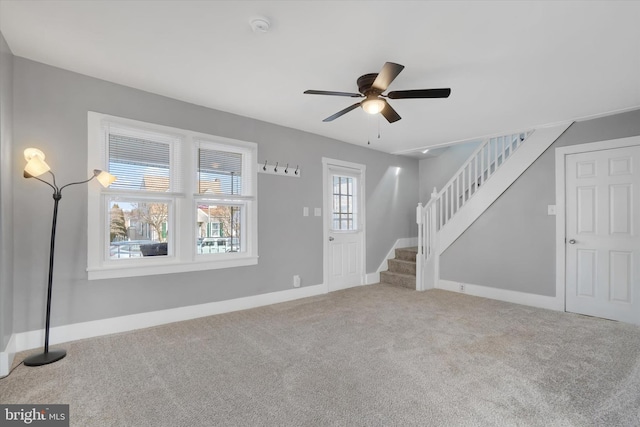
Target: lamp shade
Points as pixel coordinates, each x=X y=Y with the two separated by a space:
x=36 y=166
x=104 y=178
x=373 y=105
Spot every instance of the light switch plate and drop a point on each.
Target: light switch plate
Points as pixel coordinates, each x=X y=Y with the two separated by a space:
x=317 y=212
x=551 y=209
x=305 y=211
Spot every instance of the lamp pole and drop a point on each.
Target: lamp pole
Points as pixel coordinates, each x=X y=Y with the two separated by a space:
x=35 y=167
x=47 y=356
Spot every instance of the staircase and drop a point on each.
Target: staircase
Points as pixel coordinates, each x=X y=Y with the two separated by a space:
x=402 y=269
x=488 y=172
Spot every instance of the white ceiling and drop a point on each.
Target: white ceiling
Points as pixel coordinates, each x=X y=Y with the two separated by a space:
x=511 y=65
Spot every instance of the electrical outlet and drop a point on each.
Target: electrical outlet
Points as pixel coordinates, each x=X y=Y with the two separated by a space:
x=462 y=287
x=296 y=281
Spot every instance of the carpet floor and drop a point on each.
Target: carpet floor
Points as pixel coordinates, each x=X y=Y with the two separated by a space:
x=369 y=356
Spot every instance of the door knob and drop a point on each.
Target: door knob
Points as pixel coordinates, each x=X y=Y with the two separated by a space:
x=331 y=239
x=572 y=242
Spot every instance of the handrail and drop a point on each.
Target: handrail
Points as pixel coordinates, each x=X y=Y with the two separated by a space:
x=479 y=167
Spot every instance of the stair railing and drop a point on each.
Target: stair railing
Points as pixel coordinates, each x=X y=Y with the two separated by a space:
x=443 y=205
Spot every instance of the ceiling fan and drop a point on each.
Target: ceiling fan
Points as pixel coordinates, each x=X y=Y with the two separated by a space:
x=371 y=87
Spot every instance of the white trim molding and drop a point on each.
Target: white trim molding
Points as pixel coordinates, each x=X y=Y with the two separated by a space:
x=7 y=356
x=60 y=334
x=561 y=154
x=533 y=300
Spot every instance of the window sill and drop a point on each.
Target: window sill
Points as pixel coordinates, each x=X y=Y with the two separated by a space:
x=118 y=271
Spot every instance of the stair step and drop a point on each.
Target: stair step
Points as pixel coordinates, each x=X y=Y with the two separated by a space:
x=407 y=254
x=398 y=279
x=402 y=266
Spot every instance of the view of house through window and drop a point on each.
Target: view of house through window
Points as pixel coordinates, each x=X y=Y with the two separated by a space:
x=219 y=228
x=138 y=228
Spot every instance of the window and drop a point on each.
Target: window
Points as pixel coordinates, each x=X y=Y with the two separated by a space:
x=221 y=202
x=343 y=213
x=182 y=201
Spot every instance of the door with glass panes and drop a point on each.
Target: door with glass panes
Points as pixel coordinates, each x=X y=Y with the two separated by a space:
x=344 y=223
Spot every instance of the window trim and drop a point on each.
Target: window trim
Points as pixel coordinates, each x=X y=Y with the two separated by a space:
x=184 y=257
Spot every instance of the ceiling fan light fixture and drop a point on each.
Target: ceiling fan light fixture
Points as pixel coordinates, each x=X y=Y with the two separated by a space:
x=373 y=105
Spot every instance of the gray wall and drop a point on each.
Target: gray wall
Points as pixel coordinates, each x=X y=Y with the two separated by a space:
x=437 y=171
x=6 y=191
x=50 y=112
x=512 y=245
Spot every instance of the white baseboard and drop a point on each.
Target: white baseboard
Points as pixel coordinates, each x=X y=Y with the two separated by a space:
x=60 y=334
x=405 y=242
x=533 y=300
x=372 y=278
x=6 y=356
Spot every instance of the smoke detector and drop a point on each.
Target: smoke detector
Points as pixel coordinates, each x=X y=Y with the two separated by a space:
x=260 y=25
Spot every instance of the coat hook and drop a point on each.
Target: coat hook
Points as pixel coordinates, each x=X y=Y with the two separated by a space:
x=286 y=170
x=276 y=168
x=297 y=167
x=264 y=168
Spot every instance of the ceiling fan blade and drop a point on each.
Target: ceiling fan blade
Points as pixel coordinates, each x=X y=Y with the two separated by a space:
x=342 y=112
x=326 y=92
x=389 y=113
x=388 y=73
x=420 y=93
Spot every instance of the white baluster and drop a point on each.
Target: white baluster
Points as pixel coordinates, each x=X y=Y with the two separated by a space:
x=469 y=181
x=457 y=193
x=482 y=166
x=504 y=148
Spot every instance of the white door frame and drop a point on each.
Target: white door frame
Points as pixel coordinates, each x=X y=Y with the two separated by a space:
x=561 y=154
x=326 y=223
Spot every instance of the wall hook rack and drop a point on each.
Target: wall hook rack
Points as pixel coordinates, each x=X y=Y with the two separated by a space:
x=275 y=169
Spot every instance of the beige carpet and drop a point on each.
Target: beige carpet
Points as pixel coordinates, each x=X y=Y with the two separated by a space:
x=370 y=356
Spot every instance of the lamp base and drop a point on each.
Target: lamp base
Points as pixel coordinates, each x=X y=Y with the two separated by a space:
x=44 y=358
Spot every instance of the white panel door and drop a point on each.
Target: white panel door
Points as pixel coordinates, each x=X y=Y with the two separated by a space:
x=344 y=227
x=602 y=233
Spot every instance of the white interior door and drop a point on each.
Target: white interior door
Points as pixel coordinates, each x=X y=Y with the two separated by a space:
x=344 y=225
x=602 y=241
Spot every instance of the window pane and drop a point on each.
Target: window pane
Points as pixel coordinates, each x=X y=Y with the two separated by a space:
x=219 y=228
x=138 y=228
x=219 y=172
x=343 y=203
x=139 y=164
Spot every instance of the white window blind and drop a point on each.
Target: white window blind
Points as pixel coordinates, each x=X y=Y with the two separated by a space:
x=222 y=171
x=142 y=161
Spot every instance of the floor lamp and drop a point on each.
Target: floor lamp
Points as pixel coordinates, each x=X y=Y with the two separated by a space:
x=35 y=167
